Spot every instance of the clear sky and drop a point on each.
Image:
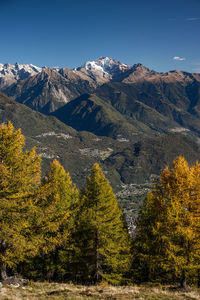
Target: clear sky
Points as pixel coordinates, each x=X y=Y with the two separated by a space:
x=161 y=34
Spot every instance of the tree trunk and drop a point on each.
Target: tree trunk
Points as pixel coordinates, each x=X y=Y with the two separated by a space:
x=183 y=281
x=198 y=278
x=3 y=266
x=3 y=272
x=97 y=259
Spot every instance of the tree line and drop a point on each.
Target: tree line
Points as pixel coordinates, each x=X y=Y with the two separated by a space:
x=50 y=230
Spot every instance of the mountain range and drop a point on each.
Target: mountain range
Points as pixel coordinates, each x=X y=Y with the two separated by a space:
x=131 y=119
x=108 y=98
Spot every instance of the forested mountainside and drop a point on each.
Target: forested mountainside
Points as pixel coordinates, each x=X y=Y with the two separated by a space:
x=130 y=165
x=118 y=156
x=130 y=119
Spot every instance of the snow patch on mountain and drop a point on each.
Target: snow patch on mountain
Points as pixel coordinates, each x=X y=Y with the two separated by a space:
x=106 y=65
x=10 y=73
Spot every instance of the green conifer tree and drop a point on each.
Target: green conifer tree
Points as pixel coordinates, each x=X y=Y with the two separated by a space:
x=150 y=243
x=102 y=247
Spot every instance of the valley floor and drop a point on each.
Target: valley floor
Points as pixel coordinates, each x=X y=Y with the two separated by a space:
x=34 y=291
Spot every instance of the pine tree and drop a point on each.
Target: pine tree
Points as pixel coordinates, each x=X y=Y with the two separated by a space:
x=195 y=224
x=174 y=212
x=19 y=177
x=61 y=201
x=150 y=243
x=102 y=246
x=33 y=215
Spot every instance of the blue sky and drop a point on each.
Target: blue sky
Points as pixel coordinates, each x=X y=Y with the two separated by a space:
x=161 y=34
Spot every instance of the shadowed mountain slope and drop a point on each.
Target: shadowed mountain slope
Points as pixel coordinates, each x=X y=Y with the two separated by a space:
x=125 y=162
x=48 y=90
x=77 y=151
x=130 y=110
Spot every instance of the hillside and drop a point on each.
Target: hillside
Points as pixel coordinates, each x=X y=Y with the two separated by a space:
x=130 y=166
x=139 y=109
x=76 y=151
x=91 y=113
x=60 y=291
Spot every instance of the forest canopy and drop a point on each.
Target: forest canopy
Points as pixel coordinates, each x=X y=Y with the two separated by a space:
x=51 y=230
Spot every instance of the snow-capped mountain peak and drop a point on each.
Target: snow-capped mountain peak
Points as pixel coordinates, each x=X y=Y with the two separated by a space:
x=10 y=73
x=13 y=70
x=105 y=65
x=104 y=69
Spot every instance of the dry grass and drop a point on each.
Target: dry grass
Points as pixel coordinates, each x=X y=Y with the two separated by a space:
x=40 y=291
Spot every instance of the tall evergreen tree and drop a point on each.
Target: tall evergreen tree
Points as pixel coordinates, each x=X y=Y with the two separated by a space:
x=150 y=243
x=19 y=177
x=61 y=201
x=172 y=212
x=62 y=195
x=102 y=244
x=31 y=213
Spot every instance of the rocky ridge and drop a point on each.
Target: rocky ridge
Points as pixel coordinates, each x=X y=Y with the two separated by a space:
x=11 y=73
x=46 y=90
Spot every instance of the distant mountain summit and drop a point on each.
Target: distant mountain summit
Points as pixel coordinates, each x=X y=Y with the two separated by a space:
x=12 y=73
x=105 y=69
x=106 y=65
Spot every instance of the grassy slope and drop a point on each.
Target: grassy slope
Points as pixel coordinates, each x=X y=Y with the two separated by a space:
x=68 y=291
